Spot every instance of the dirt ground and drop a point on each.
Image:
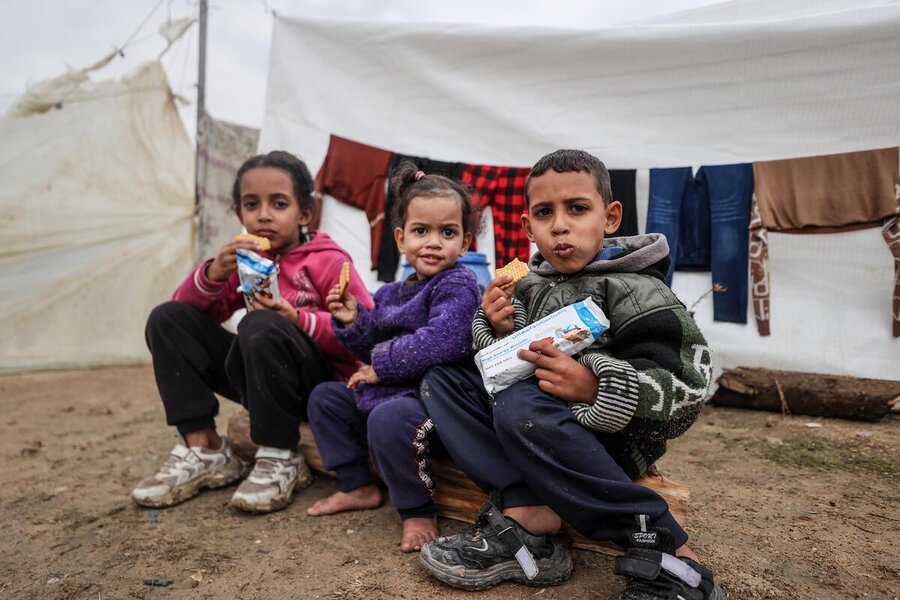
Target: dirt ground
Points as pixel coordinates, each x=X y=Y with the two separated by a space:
x=778 y=510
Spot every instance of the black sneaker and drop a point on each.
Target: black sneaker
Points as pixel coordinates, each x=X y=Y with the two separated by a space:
x=496 y=549
x=653 y=572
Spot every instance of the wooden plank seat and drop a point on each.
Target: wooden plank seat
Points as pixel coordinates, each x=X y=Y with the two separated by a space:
x=456 y=497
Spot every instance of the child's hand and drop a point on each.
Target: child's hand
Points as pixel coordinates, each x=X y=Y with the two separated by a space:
x=226 y=261
x=560 y=374
x=281 y=306
x=345 y=309
x=498 y=307
x=366 y=374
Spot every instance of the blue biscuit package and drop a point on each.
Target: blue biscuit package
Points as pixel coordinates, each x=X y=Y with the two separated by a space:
x=258 y=276
x=571 y=329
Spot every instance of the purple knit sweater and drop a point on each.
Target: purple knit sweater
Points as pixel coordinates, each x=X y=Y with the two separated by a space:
x=414 y=326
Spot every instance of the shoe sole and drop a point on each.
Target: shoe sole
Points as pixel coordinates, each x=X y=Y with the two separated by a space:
x=192 y=488
x=304 y=480
x=552 y=570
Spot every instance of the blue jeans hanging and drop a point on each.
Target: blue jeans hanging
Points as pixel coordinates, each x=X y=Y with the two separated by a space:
x=705 y=220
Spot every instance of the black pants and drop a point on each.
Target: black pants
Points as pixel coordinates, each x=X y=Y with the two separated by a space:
x=270 y=367
x=528 y=445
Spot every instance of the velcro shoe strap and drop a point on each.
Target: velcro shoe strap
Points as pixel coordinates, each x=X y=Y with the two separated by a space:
x=511 y=539
x=646 y=565
x=680 y=569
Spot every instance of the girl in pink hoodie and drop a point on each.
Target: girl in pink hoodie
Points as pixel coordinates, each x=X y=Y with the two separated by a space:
x=283 y=348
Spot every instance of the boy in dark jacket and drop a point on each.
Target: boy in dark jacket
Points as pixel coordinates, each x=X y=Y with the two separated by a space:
x=568 y=442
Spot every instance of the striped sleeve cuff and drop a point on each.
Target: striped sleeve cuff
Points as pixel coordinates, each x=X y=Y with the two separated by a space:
x=617 y=394
x=307 y=321
x=205 y=285
x=483 y=331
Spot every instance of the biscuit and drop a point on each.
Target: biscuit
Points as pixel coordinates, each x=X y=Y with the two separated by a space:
x=344 y=281
x=264 y=243
x=516 y=268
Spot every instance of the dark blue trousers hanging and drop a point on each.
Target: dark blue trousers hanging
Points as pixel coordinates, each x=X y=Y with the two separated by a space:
x=706 y=220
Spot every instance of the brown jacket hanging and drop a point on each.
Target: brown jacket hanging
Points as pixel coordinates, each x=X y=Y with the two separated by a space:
x=356 y=174
x=824 y=194
x=821 y=194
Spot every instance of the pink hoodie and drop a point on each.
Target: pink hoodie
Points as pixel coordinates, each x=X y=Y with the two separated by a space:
x=305 y=276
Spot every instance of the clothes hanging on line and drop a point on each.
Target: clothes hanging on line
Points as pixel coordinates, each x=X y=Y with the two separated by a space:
x=623 y=186
x=891 y=234
x=824 y=194
x=705 y=219
x=503 y=189
x=355 y=174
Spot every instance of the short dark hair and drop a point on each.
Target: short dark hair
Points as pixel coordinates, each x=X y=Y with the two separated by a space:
x=287 y=162
x=568 y=161
x=407 y=184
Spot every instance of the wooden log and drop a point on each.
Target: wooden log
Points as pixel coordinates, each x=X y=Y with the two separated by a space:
x=456 y=497
x=813 y=394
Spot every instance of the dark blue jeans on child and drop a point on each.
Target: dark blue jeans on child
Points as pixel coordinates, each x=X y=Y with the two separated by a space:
x=527 y=445
x=395 y=434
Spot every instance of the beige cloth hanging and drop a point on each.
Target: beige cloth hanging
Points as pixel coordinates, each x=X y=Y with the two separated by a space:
x=823 y=194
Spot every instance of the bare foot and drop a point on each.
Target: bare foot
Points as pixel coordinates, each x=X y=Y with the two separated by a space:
x=365 y=496
x=684 y=551
x=417 y=532
x=538 y=520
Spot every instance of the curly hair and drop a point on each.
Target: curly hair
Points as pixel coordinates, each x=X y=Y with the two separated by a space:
x=287 y=162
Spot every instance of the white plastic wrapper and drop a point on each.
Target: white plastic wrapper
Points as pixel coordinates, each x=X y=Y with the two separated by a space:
x=571 y=329
x=258 y=276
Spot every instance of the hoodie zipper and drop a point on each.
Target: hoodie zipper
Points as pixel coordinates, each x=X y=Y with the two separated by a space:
x=537 y=305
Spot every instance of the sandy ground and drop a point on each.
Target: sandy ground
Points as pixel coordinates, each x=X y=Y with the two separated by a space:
x=778 y=510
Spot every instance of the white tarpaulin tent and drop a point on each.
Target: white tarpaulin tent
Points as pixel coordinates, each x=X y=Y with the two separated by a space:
x=723 y=89
x=96 y=203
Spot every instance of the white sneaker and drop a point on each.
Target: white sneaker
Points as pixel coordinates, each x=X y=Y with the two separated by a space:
x=186 y=472
x=271 y=483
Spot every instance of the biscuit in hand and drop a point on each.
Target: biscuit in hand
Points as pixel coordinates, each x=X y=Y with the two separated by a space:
x=516 y=268
x=264 y=243
x=344 y=281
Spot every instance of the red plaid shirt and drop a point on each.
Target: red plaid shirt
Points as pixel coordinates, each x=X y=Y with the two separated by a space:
x=503 y=189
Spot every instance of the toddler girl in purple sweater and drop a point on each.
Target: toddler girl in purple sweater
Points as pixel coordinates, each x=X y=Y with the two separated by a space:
x=415 y=325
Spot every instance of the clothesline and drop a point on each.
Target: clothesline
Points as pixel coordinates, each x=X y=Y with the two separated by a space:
x=706 y=217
